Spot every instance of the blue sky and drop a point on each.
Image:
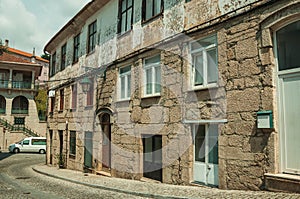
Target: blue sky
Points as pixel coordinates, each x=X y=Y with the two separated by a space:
x=32 y=23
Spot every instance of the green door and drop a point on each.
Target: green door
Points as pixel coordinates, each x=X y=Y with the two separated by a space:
x=88 y=149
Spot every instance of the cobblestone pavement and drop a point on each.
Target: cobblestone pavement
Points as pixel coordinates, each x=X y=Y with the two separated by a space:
x=152 y=189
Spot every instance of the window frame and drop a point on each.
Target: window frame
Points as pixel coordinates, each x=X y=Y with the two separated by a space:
x=74 y=91
x=90 y=94
x=72 y=144
x=152 y=67
x=203 y=51
x=53 y=64
x=126 y=75
x=61 y=99
x=92 y=40
x=76 y=48
x=120 y=17
x=154 y=15
x=63 y=59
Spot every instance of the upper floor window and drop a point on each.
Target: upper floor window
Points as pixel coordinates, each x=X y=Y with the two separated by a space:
x=61 y=99
x=76 y=48
x=151 y=8
x=125 y=15
x=204 y=62
x=124 y=82
x=63 y=57
x=52 y=104
x=152 y=76
x=92 y=36
x=53 y=64
x=90 y=94
x=288 y=46
x=74 y=96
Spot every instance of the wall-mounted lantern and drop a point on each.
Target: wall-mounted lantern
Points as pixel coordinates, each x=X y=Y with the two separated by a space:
x=85 y=84
x=265 y=119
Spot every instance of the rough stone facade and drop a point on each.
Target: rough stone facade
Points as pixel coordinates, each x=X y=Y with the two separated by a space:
x=247 y=83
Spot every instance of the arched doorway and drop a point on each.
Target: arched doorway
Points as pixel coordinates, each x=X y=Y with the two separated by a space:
x=106 y=141
x=2 y=105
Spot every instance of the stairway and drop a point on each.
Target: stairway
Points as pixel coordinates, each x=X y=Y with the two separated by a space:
x=18 y=128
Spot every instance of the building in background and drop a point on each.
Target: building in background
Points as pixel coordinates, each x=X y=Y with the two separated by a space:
x=179 y=91
x=19 y=85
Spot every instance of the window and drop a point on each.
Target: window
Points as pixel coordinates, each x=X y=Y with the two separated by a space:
x=90 y=94
x=72 y=151
x=288 y=46
x=38 y=141
x=204 y=62
x=20 y=105
x=152 y=76
x=76 y=48
x=61 y=100
x=124 y=83
x=19 y=120
x=2 y=105
x=74 y=96
x=52 y=104
x=152 y=8
x=53 y=63
x=63 y=57
x=92 y=36
x=25 y=142
x=125 y=15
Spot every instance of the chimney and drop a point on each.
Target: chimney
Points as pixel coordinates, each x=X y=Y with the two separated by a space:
x=32 y=59
x=6 y=42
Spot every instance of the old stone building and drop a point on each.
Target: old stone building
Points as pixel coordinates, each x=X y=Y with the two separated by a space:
x=179 y=91
x=19 y=72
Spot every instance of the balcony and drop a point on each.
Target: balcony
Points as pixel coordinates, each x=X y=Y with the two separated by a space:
x=2 y=110
x=21 y=84
x=19 y=111
x=3 y=83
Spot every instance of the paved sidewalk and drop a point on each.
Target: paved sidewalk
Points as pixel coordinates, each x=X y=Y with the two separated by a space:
x=152 y=189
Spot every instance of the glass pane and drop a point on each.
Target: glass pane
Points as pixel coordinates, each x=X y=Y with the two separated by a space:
x=149 y=8
x=149 y=81
x=123 y=22
x=129 y=15
x=123 y=5
x=129 y=3
x=213 y=144
x=129 y=85
x=123 y=87
x=212 y=68
x=203 y=43
x=157 y=79
x=157 y=7
x=288 y=46
x=148 y=149
x=200 y=143
x=152 y=60
x=198 y=64
x=125 y=69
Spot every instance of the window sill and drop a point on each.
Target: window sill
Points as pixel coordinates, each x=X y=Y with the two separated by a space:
x=71 y=156
x=60 y=111
x=200 y=88
x=153 y=18
x=123 y=100
x=72 y=109
x=124 y=34
x=151 y=96
x=88 y=107
x=90 y=53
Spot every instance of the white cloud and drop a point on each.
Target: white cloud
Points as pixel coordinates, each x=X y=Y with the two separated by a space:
x=32 y=23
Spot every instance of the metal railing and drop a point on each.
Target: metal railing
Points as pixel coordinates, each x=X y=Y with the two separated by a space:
x=13 y=127
x=19 y=111
x=21 y=84
x=3 y=83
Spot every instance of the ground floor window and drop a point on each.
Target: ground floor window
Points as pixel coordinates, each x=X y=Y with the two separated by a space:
x=72 y=151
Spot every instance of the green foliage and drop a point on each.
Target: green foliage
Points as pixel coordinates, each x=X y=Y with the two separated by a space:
x=2 y=48
x=46 y=56
x=41 y=103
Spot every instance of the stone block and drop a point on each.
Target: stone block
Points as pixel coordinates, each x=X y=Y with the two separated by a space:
x=245 y=100
x=246 y=49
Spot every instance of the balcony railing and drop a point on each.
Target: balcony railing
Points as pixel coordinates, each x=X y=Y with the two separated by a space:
x=19 y=111
x=21 y=84
x=3 y=83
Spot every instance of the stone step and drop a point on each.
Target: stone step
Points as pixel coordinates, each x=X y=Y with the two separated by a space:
x=283 y=182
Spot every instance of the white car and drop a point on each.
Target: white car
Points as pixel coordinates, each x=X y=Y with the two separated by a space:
x=31 y=144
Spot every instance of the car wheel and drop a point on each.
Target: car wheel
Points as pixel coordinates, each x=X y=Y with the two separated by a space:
x=16 y=150
x=42 y=151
